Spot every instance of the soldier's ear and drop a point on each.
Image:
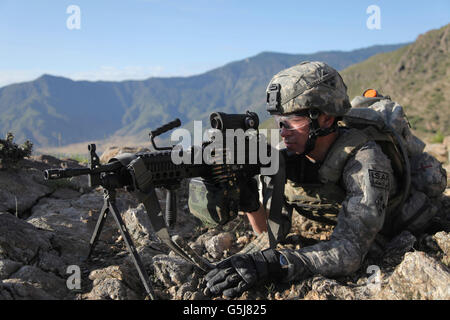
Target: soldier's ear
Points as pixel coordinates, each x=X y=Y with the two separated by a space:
x=326 y=121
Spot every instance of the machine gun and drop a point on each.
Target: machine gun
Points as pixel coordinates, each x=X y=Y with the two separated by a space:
x=141 y=173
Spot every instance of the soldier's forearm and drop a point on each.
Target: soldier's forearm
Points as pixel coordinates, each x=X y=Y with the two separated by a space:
x=258 y=219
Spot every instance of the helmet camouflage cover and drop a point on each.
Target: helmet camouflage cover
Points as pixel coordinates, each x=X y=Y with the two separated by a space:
x=309 y=85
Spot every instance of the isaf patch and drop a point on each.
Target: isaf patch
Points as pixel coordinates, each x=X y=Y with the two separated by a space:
x=379 y=179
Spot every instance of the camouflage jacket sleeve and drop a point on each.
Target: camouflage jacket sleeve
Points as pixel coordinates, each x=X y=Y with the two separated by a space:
x=368 y=180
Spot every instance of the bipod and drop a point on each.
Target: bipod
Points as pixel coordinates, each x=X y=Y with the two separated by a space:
x=109 y=206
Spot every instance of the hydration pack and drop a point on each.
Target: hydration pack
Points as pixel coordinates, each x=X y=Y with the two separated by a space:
x=420 y=176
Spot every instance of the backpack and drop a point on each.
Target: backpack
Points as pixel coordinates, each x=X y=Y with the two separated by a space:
x=421 y=177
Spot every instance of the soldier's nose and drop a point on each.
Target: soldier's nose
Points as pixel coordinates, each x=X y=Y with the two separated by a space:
x=284 y=132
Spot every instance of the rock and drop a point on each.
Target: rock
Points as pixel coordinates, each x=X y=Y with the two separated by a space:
x=324 y=289
x=21 y=241
x=218 y=244
x=197 y=296
x=110 y=289
x=16 y=289
x=418 y=277
x=171 y=270
x=139 y=226
x=20 y=190
x=437 y=150
x=443 y=240
x=397 y=247
x=66 y=193
x=48 y=282
x=35 y=253
x=197 y=247
x=116 y=283
x=52 y=262
x=206 y=236
x=73 y=221
x=298 y=290
x=8 y=267
x=111 y=152
x=260 y=243
x=185 y=289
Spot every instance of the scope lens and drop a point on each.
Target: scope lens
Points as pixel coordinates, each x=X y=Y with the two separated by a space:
x=216 y=123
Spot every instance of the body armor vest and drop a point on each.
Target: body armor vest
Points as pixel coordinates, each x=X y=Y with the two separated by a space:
x=316 y=191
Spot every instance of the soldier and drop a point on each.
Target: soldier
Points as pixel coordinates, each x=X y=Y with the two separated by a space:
x=307 y=101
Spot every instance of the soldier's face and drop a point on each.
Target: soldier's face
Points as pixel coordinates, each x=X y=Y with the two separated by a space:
x=294 y=132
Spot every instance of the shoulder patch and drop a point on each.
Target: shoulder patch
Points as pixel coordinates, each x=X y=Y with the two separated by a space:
x=379 y=179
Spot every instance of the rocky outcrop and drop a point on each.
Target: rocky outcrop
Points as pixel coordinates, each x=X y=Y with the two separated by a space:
x=438 y=150
x=52 y=231
x=443 y=241
x=115 y=283
x=218 y=244
x=30 y=266
x=417 y=277
x=21 y=188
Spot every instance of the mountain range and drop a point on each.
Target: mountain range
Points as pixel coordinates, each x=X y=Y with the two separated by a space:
x=417 y=76
x=55 y=111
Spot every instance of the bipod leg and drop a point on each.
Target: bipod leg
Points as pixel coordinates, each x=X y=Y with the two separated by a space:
x=98 y=227
x=130 y=245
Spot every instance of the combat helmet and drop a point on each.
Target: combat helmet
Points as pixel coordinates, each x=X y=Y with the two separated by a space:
x=309 y=89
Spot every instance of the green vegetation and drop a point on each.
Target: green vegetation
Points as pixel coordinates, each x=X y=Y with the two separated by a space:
x=80 y=158
x=437 y=138
x=416 y=76
x=11 y=153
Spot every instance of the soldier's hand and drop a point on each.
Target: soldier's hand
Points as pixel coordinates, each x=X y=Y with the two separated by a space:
x=240 y=272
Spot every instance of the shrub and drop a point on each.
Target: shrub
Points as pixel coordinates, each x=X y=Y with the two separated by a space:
x=437 y=138
x=11 y=153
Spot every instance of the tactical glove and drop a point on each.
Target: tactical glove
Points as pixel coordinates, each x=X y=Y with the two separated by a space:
x=248 y=195
x=240 y=272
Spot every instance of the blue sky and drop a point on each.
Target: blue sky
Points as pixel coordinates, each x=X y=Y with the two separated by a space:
x=136 y=39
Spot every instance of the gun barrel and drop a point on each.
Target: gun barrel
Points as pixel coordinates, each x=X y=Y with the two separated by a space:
x=52 y=174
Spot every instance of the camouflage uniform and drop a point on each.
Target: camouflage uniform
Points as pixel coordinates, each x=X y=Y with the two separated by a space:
x=355 y=187
x=367 y=182
x=358 y=200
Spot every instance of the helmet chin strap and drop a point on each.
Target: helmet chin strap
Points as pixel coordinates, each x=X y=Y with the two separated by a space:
x=316 y=131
